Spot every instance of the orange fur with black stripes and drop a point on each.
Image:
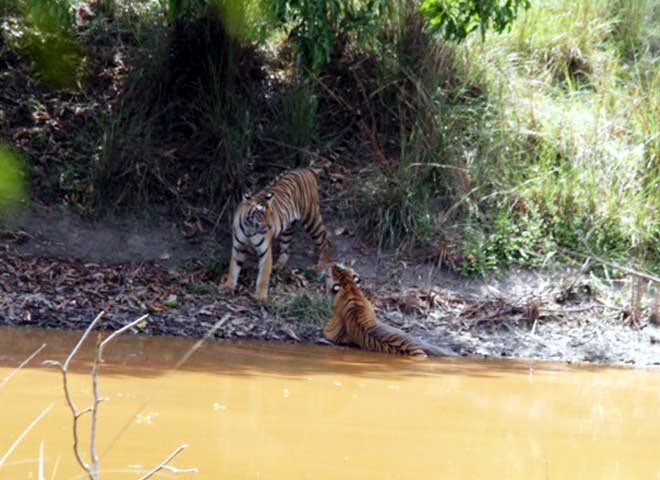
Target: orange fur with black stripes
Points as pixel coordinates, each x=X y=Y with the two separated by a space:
x=259 y=219
x=354 y=320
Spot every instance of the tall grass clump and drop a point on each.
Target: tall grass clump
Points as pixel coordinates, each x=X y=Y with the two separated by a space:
x=541 y=139
x=578 y=169
x=430 y=139
x=182 y=129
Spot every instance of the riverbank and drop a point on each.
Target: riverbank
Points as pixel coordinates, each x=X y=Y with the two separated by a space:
x=49 y=279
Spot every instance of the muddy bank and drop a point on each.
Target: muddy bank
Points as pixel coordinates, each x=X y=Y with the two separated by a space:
x=557 y=315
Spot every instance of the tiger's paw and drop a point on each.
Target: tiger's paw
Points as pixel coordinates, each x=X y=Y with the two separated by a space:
x=226 y=288
x=259 y=296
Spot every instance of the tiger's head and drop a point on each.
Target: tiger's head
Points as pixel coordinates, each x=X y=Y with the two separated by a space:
x=255 y=220
x=339 y=277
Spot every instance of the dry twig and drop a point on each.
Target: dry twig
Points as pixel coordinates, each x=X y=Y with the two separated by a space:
x=40 y=474
x=64 y=368
x=25 y=362
x=164 y=465
x=199 y=342
x=630 y=271
x=92 y=469
x=22 y=435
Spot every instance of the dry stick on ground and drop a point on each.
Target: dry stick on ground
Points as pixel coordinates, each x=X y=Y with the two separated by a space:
x=629 y=271
x=638 y=287
x=93 y=469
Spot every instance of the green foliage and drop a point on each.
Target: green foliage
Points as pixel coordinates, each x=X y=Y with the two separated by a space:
x=544 y=138
x=459 y=18
x=242 y=19
x=50 y=41
x=297 y=119
x=320 y=27
x=13 y=184
x=515 y=238
x=393 y=209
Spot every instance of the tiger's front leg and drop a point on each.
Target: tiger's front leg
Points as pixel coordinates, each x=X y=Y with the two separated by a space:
x=238 y=252
x=265 y=253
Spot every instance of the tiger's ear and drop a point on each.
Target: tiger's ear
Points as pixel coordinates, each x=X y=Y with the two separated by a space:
x=357 y=279
x=269 y=197
x=336 y=287
x=247 y=195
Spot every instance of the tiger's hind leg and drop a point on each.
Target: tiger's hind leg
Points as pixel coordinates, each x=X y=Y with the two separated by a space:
x=314 y=226
x=285 y=243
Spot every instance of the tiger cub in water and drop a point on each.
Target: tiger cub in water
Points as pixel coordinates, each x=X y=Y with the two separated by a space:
x=354 y=320
x=271 y=213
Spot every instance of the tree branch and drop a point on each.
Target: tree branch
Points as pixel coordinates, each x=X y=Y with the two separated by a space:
x=163 y=465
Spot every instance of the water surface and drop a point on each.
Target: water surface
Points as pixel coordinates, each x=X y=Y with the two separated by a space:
x=272 y=411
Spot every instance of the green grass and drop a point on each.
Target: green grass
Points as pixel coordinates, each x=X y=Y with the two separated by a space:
x=553 y=128
x=540 y=140
x=308 y=307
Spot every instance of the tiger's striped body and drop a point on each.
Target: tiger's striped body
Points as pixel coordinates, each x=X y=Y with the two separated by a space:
x=354 y=320
x=271 y=214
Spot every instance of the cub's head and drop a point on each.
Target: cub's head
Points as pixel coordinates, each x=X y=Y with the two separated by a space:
x=339 y=277
x=255 y=220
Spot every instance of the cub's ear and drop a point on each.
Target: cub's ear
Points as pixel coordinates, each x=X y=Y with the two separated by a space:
x=335 y=288
x=356 y=278
x=247 y=195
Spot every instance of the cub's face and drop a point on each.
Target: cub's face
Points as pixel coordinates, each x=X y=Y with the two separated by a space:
x=338 y=276
x=256 y=217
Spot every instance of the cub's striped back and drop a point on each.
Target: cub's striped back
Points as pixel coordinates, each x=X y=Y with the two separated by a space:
x=354 y=320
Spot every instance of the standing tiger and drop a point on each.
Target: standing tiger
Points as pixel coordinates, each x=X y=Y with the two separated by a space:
x=354 y=320
x=272 y=213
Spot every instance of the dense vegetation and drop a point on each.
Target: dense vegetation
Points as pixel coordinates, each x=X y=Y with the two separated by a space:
x=506 y=148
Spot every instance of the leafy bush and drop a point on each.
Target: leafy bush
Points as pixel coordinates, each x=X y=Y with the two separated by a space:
x=321 y=28
x=48 y=39
x=459 y=18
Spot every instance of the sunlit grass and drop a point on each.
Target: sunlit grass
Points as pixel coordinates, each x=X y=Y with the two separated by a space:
x=576 y=88
x=13 y=188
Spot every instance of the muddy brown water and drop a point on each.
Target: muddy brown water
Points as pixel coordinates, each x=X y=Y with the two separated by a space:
x=252 y=411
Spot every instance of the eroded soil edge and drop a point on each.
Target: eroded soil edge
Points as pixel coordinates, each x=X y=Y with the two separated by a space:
x=57 y=271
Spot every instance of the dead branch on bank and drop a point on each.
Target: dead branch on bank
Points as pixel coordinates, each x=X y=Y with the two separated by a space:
x=92 y=468
x=627 y=270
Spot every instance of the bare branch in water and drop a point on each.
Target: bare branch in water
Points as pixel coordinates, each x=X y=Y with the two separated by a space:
x=40 y=475
x=164 y=465
x=25 y=362
x=22 y=435
x=199 y=343
x=75 y=413
x=92 y=468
